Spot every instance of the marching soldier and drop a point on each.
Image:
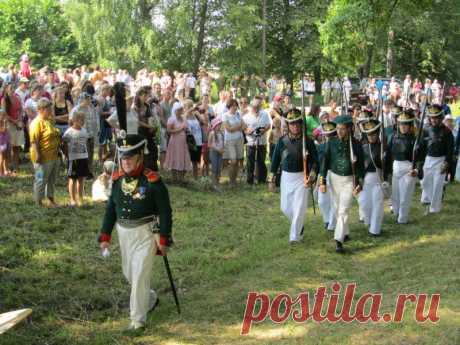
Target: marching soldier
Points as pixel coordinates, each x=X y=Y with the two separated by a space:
x=343 y=161
x=325 y=201
x=139 y=203
x=363 y=116
x=400 y=159
x=393 y=128
x=439 y=143
x=294 y=189
x=372 y=196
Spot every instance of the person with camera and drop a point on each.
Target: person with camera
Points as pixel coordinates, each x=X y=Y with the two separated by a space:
x=288 y=155
x=257 y=123
x=194 y=120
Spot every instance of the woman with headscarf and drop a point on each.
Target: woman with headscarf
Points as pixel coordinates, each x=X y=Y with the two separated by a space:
x=177 y=154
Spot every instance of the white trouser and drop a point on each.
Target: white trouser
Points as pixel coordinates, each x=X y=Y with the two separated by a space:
x=433 y=183
x=138 y=247
x=361 y=211
x=371 y=201
x=402 y=189
x=457 y=171
x=342 y=194
x=294 y=201
x=326 y=206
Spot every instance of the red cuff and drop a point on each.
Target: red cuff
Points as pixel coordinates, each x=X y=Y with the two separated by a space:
x=105 y=238
x=164 y=240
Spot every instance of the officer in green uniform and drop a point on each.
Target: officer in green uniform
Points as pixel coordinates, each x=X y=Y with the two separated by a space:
x=138 y=206
x=294 y=189
x=343 y=160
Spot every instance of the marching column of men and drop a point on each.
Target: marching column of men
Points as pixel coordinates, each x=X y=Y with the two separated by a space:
x=359 y=159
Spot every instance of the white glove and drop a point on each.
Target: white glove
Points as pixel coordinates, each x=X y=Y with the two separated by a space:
x=105 y=253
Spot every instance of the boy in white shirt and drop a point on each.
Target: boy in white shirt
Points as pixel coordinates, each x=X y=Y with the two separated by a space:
x=75 y=139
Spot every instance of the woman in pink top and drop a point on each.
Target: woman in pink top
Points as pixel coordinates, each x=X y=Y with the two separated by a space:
x=25 y=67
x=12 y=105
x=177 y=154
x=453 y=93
x=417 y=89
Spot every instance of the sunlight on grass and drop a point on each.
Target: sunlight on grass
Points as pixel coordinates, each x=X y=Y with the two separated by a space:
x=226 y=245
x=393 y=248
x=171 y=342
x=278 y=332
x=45 y=256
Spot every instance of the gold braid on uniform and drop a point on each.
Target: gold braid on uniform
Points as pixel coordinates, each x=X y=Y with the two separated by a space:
x=128 y=187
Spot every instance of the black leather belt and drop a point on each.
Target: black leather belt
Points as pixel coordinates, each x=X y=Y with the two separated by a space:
x=134 y=223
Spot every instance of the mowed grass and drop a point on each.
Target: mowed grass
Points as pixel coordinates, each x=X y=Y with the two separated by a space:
x=226 y=246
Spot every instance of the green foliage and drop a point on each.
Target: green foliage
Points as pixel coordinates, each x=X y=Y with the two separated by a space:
x=38 y=28
x=293 y=37
x=111 y=32
x=354 y=35
x=236 y=43
x=330 y=37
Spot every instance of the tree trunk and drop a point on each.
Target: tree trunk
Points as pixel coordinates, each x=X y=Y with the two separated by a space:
x=193 y=14
x=368 y=64
x=317 y=75
x=264 y=36
x=201 y=34
x=391 y=38
x=145 y=8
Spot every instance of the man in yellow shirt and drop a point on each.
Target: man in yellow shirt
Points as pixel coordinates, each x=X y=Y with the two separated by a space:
x=44 y=148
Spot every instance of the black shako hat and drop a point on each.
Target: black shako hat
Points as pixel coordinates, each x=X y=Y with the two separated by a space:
x=130 y=145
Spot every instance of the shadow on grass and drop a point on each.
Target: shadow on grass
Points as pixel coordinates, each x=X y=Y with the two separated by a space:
x=227 y=245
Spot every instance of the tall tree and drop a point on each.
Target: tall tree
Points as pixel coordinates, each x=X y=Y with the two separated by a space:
x=201 y=34
x=392 y=37
x=293 y=36
x=38 y=28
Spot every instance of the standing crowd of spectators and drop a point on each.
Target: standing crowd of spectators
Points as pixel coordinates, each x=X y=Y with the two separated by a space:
x=68 y=117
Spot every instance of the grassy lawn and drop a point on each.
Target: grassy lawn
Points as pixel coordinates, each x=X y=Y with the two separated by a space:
x=227 y=245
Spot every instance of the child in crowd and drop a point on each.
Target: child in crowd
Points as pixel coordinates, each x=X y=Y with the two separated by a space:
x=75 y=139
x=4 y=144
x=101 y=187
x=216 y=150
